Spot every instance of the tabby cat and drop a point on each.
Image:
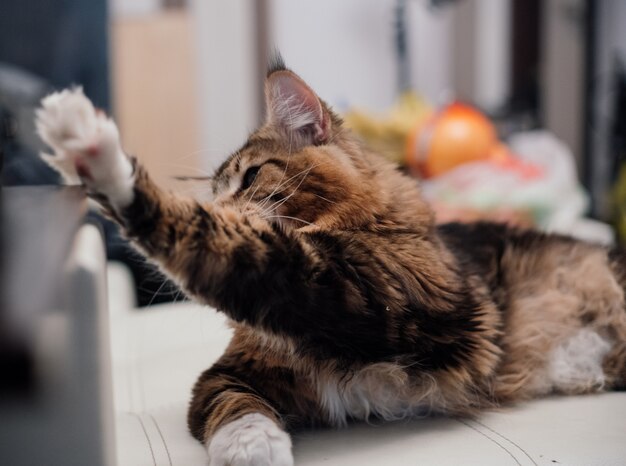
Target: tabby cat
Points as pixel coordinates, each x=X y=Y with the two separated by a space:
x=346 y=299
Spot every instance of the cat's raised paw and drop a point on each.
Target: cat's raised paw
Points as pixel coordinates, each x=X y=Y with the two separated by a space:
x=86 y=145
x=252 y=440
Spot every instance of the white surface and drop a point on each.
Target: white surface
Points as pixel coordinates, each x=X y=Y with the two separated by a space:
x=572 y=431
x=67 y=417
x=88 y=391
x=158 y=354
x=120 y=280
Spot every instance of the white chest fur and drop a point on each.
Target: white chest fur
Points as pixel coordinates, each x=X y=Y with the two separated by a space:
x=383 y=390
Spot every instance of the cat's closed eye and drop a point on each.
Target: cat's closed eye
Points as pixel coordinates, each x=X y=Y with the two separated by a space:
x=249 y=177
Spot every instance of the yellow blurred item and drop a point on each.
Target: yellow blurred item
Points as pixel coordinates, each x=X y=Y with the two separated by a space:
x=388 y=133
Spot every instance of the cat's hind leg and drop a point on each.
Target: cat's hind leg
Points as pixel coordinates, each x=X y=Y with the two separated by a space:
x=238 y=426
x=614 y=366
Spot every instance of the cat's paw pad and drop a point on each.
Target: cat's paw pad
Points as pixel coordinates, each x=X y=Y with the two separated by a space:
x=86 y=144
x=252 y=440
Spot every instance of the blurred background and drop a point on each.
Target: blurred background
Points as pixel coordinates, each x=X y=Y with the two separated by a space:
x=507 y=110
x=513 y=110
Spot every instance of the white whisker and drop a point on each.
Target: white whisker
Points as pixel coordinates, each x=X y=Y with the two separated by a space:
x=157 y=291
x=282 y=201
x=322 y=197
x=284 y=184
x=290 y=218
x=250 y=197
x=191 y=167
x=281 y=185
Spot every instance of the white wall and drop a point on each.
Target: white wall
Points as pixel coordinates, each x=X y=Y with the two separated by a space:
x=121 y=8
x=562 y=85
x=432 y=40
x=493 y=53
x=225 y=36
x=345 y=49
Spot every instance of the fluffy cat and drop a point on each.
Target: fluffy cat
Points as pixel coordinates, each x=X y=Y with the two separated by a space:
x=347 y=300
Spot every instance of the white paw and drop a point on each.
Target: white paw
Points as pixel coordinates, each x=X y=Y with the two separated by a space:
x=252 y=440
x=86 y=144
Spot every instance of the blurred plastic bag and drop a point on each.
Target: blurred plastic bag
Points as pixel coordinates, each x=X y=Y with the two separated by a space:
x=538 y=187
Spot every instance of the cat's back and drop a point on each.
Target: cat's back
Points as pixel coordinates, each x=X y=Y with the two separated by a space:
x=509 y=256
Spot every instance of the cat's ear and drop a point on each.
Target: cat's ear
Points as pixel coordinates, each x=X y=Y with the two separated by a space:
x=295 y=109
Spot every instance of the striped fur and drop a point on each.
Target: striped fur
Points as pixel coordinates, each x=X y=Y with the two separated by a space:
x=348 y=301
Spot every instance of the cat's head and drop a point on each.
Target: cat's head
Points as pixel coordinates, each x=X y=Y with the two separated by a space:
x=304 y=168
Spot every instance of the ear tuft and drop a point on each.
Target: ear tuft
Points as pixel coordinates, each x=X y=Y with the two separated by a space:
x=275 y=63
x=294 y=108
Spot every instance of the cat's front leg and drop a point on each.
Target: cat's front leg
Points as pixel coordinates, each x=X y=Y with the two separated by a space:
x=236 y=424
x=251 y=440
x=87 y=146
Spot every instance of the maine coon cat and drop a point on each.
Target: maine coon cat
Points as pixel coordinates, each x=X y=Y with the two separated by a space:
x=347 y=300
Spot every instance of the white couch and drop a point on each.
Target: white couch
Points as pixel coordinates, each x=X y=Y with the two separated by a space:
x=159 y=352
